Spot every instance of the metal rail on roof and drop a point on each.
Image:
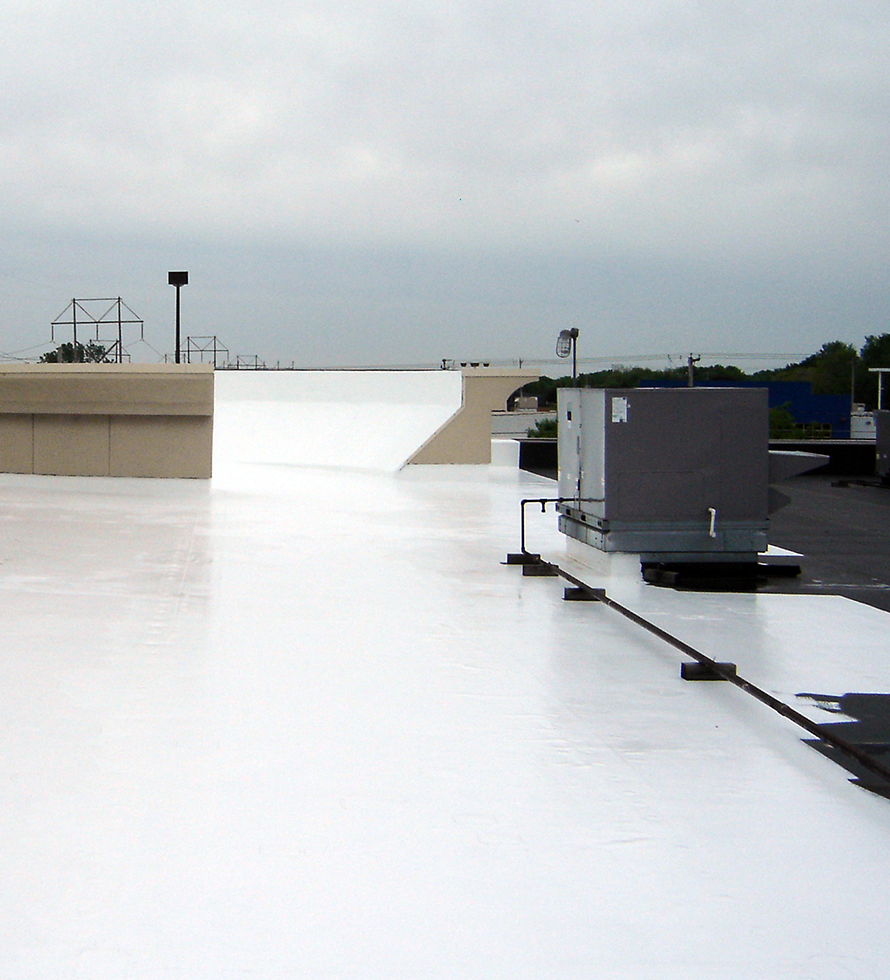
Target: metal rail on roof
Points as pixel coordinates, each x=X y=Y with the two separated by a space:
x=728 y=673
x=717 y=670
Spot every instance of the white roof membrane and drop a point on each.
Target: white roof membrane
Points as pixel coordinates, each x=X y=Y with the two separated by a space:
x=301 y=722
x=368 y=420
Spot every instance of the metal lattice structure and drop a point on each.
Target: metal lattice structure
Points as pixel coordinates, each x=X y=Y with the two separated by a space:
x=247 y=362
x=206 y=350
x=87 y=313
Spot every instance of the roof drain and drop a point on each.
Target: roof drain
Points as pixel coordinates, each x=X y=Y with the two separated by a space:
x=705 y=668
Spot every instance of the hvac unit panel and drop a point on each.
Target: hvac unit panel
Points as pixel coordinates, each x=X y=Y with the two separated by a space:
x=581 y=447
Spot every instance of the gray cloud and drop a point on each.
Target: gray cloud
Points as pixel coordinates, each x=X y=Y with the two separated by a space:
x=693 y=160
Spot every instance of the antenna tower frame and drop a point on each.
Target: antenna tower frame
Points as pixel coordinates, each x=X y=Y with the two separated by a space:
x=111 y=315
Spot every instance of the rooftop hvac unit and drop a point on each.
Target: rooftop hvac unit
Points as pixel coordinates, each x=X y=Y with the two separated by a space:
x=671 y=474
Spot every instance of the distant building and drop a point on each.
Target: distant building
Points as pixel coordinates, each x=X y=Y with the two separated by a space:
x=797 y=397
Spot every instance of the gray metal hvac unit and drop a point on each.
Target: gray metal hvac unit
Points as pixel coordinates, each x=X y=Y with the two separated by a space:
x=671 y=474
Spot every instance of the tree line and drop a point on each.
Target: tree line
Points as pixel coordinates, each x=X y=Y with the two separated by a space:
x=837 y=368
x=89 y=353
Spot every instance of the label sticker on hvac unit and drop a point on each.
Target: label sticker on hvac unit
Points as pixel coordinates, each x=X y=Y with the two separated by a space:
x=619 y=409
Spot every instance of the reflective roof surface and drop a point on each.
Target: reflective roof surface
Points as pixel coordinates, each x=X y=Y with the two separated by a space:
x=302 y=722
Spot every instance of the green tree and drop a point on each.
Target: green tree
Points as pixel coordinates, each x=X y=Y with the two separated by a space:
x=90 y=353
x=875 y=353
x=719 y=372
x=829 y=370
x=544 y=429
x=782 y=424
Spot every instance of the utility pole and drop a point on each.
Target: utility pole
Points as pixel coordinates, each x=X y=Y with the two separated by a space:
x=690 y=362
x=74 y=356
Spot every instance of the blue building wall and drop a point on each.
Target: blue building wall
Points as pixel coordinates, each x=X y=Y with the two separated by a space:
x=796 y=396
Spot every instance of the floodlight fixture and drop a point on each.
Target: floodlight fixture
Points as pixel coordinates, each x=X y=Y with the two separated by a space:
x=567 y=343
x=177 y=279
x=564 y=342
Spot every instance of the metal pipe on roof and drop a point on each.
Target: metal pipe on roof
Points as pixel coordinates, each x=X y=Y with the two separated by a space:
x=724 y=671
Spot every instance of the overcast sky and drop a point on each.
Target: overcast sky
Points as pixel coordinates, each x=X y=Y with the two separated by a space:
x=381 y=182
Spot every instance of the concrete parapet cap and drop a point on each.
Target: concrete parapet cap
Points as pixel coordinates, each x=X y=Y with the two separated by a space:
x=68 y=369
x=106 y=389
x=498 y=372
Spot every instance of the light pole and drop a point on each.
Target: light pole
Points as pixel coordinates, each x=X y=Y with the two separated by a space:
x=177 y=279
x=880 y=372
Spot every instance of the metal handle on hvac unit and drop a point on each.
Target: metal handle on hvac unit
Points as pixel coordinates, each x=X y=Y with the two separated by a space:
x=712 y=533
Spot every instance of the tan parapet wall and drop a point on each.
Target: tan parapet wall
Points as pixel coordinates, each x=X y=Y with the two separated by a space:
x=466 y=436
x=152 y=420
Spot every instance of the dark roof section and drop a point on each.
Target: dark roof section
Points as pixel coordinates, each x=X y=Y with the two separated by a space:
x=842 y=527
